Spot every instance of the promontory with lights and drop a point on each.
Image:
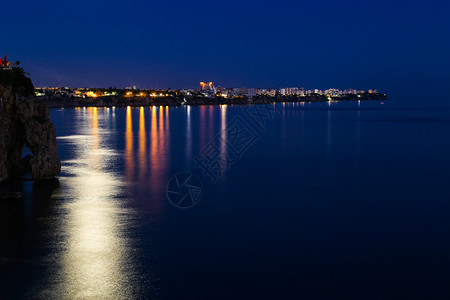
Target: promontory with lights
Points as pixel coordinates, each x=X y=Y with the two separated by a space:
x=207 y=94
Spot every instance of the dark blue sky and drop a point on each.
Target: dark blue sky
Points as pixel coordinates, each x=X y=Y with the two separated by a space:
x=394 y=46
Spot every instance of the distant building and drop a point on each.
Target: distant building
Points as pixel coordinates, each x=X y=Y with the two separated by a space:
x=290 y=91
x=243 y=91
x=266 y=92
x=4 y=63
x=240 y=91
x=332 y=92
x=251 y=92
x=228 y=93
x=207 y=86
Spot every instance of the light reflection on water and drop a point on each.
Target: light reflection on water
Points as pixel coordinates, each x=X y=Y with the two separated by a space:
x=142 y=144
x=99 y=258
x=96 y=260
x=223 y=131
x=156 y=176
x=93 y=260
x=129 y=157
x=325 y=199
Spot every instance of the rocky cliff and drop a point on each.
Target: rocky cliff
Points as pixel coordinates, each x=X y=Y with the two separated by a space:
x=25 y=121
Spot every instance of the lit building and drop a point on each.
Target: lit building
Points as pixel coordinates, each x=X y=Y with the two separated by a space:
x=251 y=92
x=207 y=86
x=241 y=91
x=208 y=89
x=4 y=62
x=332 y=92
x=291 y=91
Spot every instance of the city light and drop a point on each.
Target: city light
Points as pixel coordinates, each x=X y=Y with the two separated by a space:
x=210 y=91
x=91 y=94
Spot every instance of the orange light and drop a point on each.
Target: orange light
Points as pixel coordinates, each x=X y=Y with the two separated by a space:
x=91 y=94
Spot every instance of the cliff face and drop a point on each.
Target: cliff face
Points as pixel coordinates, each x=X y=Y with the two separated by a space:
x=25 y=121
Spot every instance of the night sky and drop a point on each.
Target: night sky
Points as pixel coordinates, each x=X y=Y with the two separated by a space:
x=399 y=47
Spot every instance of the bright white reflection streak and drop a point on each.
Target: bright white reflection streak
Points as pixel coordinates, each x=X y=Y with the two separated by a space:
x=93 y=264
x=188 y=135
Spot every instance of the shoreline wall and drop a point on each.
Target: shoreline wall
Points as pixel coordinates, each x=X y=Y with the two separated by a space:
x=109 y=101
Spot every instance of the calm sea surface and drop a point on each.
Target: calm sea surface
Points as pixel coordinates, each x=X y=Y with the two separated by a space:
x=323 y=200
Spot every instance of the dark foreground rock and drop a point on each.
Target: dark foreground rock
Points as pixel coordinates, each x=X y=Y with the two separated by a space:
x=25 y=121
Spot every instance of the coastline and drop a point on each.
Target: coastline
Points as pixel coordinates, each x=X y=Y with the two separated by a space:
x=120 y=101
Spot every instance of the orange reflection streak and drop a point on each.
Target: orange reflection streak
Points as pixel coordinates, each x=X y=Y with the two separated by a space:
x=166 y=121
x=161 y=131
x=154 y=161
x=129 y=163
x=166 y=137
x=167 y=118
x=157 y=159
x=142 y=144
x=153 y=137
x=211 y=122
x=93 y=123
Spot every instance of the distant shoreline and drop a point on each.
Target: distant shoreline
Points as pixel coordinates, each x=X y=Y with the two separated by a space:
x=119 y=101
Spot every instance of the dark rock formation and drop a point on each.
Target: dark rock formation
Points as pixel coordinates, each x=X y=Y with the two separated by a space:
x=25 y=121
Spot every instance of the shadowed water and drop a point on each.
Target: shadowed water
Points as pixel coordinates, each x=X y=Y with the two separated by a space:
x=340 y=200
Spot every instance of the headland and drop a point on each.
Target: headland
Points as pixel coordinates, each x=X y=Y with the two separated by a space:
x=177 y=98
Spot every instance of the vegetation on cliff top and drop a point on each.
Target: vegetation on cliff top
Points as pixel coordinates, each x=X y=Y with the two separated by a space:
x=16 y=79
